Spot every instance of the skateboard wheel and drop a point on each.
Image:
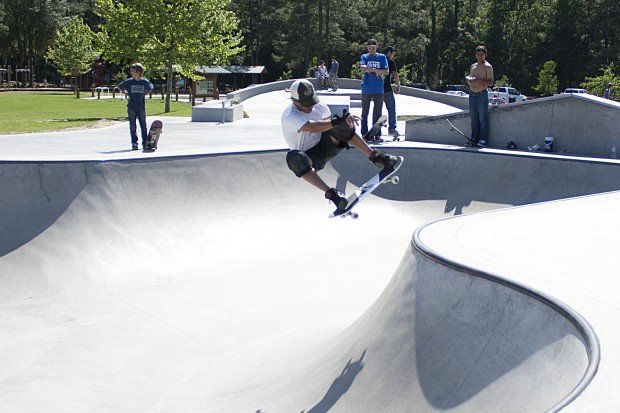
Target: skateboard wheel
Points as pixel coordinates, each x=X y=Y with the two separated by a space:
x=354 y=215
x=343 y=216
x=395 y=180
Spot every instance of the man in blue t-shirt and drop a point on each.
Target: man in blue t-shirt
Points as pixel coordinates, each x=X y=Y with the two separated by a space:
x=374 y=67
x=136 y=89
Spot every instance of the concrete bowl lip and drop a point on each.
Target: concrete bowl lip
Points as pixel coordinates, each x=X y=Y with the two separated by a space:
x=581 y=324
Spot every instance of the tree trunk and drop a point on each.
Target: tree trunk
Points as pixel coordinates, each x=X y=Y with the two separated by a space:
x=320 y=36
x=306 y=37
x=327 y=22
x=169 y=87
x=76 y=86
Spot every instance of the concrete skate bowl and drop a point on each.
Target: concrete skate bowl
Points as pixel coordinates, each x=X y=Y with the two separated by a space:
x=217 y=283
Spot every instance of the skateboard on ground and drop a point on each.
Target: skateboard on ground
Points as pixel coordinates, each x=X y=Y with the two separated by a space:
x=383 y=176
x=153 y=137
x=472 y=142
x=376 y=128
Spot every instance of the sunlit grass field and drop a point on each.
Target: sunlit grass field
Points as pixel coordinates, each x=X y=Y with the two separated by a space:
x=22 y=112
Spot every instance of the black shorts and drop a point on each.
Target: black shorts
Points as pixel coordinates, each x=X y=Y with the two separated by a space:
x=325 y=150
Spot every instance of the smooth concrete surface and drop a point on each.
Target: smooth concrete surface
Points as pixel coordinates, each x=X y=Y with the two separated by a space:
x=206 y=277
x=260 y=131
x=574 y=242
x=583 y=125
x=217 y=111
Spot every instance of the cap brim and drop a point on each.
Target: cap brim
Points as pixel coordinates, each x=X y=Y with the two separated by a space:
x=309 y=101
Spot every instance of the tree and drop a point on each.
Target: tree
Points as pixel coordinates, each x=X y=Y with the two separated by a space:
x=596 y=85
x=547 y=79
x=73 y=50
x=31 y=25
x=169 y=34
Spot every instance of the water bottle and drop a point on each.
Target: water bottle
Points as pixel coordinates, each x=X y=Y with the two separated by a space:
x=614 y=151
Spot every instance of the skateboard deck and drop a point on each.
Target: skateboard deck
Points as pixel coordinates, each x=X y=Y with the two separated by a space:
x=383 y=176
x=454 y=128
x=376 y=128
x=153 y=137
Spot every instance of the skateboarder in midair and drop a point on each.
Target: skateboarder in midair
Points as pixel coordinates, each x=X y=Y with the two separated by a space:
x=315 y=137
x=136 y=88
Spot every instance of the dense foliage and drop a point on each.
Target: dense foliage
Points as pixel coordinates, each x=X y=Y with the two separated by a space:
x=169 y=36
x=434 y=39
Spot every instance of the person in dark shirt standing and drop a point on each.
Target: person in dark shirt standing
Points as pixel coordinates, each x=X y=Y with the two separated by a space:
x=388 y=92
x=136 y=89
x=333 y=74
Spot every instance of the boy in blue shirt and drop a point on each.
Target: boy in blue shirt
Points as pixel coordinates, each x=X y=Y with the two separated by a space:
x=136 y=88
x=374 y=67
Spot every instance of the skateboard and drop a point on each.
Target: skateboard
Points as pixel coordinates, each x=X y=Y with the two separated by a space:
x=386 y=175
x=376 y=128
x=454 y=128
x=153 y=137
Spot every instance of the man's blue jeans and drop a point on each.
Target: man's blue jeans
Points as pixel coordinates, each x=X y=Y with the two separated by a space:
x=140 y=115
x=390 y=104
x=479 y=114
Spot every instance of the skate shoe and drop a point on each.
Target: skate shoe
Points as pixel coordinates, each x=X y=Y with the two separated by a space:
x=134 y=146
x=382 y=159
x=337 y=198
x=482 y=143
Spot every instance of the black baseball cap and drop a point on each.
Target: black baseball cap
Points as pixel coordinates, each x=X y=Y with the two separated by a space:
x=371 y=42
x=303 y=92
x=388 y=49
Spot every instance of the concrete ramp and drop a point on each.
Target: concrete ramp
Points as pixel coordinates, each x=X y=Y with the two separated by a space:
x=439 y=339
x=217 y=283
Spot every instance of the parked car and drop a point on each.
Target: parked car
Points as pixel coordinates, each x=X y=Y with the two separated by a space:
x=510 y=94
x=574 y=90
x=495 y=101
x=456 y=93
x=461 y=88
x=419 y=86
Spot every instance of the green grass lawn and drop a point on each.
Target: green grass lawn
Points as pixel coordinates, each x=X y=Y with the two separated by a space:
x=22 y=112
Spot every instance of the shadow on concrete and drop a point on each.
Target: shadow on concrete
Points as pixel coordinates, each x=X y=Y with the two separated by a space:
x=340 y=385
x=34 y=195
x=462 y=177
x=112 y=152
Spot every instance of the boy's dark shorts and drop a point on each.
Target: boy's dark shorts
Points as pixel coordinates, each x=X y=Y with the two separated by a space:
x=301 y=162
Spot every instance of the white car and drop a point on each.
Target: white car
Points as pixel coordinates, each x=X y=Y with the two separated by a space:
x=493 y=101
x=456 y=93
x=510 y=94
x=574 y=90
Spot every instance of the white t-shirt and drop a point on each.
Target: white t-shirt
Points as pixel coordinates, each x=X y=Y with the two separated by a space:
x=292 y=121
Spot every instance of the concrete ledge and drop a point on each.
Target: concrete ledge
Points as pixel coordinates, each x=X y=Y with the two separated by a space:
x=211 y=111
x=336 y=104
x=581 y=125
x=459 y=102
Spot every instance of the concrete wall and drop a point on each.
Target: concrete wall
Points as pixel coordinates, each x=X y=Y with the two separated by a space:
x=583 y=125
x=243 y=94
x=211 y=111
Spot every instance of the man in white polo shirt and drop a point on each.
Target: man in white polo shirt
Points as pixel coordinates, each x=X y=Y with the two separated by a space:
x=314 y=138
